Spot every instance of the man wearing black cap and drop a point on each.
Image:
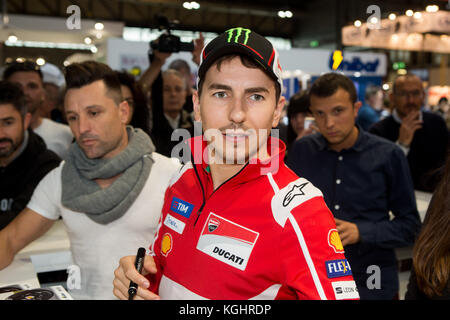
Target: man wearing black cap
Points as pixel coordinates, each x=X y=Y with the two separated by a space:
x=237 y=223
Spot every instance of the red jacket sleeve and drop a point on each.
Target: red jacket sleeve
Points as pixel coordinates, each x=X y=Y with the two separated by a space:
x=312 y=255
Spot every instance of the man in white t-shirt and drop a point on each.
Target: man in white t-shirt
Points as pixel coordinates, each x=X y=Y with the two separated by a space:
x=109 y=191
x=28 y=75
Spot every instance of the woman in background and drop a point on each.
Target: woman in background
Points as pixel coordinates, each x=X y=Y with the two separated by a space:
x=133 y=94
x=430 y=273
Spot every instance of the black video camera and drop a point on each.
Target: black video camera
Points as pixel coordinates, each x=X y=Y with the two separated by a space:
x=169 y=42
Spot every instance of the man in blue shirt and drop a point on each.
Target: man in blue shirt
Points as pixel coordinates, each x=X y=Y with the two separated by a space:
x=370 y=112
x=363 y=178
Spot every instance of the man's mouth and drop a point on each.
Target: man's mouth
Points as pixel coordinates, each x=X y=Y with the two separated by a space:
x=235 y=136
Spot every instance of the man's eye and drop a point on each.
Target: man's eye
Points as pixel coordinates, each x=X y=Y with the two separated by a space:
x=220 y=94
x=257 y=97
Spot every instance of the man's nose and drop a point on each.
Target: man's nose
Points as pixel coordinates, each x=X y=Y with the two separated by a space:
x=237 y=112
x=83 y=124
x=329 y=121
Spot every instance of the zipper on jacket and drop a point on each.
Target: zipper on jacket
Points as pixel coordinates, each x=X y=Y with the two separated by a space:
x=199 y=212
x=203 y=190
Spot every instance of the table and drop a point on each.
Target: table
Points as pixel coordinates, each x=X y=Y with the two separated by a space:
x=54 y=244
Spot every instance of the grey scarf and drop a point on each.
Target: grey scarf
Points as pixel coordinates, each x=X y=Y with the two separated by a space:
x=81 y=193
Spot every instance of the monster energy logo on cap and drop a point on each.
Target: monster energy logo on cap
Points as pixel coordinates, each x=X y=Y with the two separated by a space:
x=238 y=34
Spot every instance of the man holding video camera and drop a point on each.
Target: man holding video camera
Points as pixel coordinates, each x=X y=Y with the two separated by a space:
x=169 y=90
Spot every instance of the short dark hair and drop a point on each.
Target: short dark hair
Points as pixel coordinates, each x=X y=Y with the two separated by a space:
x=78 y=75
x=298 y=103
x=24 y=66
x=247 y=62
x=11 y=93
x=327 y=85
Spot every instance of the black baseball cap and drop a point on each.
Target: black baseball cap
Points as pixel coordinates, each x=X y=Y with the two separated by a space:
x=242 y=41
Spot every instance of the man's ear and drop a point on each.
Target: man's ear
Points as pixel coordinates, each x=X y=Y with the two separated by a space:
x=196 y=103
x=356 y=107
x=124 y=111
x=278 y=111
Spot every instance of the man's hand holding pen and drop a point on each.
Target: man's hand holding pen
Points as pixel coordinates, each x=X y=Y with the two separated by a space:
x=127 y=272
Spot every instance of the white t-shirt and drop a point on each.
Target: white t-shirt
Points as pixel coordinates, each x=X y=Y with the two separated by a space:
x=57 y=136
x=97 y=248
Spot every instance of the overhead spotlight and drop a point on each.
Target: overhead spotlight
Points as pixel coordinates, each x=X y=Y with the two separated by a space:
x=432 y=8
x=417 y=15
x=191 y=5
x=40 y=61
x=87 y=40
x=373 y=20
x=357 y=23
x=94 y=49
x=285 y=14
x=98 y=35
x=99 y=26
x=20 y=59
x=392 y=16
x=12 y=38
x=409 y=13
x=386 y=86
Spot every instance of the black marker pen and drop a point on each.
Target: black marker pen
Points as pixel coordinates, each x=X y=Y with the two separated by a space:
x=138 y=264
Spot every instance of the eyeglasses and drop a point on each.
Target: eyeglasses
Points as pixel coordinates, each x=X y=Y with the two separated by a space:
x=404 y=94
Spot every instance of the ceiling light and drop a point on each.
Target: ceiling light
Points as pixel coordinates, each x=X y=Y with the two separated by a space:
x=357 y=23
x=392 y=16
x=191 y=5
x=12 y=38
x=87 y=40
x=409 y=13
x=99 y=26
x=373 y=20
x=40 y=61
x=285 y=14
x=417 y=15
x=432 y=8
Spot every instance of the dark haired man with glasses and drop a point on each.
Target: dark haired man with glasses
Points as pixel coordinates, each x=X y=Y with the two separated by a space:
x=423 y=136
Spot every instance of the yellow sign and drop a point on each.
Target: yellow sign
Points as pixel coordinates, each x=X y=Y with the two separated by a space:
x=337 y=59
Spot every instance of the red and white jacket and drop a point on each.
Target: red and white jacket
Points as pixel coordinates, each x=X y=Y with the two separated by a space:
x=265 y=233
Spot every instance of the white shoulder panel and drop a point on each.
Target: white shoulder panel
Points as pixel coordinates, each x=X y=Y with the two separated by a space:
x=291 y=196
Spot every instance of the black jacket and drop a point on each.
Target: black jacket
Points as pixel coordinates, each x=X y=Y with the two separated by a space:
x=427 y=151
x=19 y=179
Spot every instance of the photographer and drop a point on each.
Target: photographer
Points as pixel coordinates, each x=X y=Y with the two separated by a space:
x=166 y=96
